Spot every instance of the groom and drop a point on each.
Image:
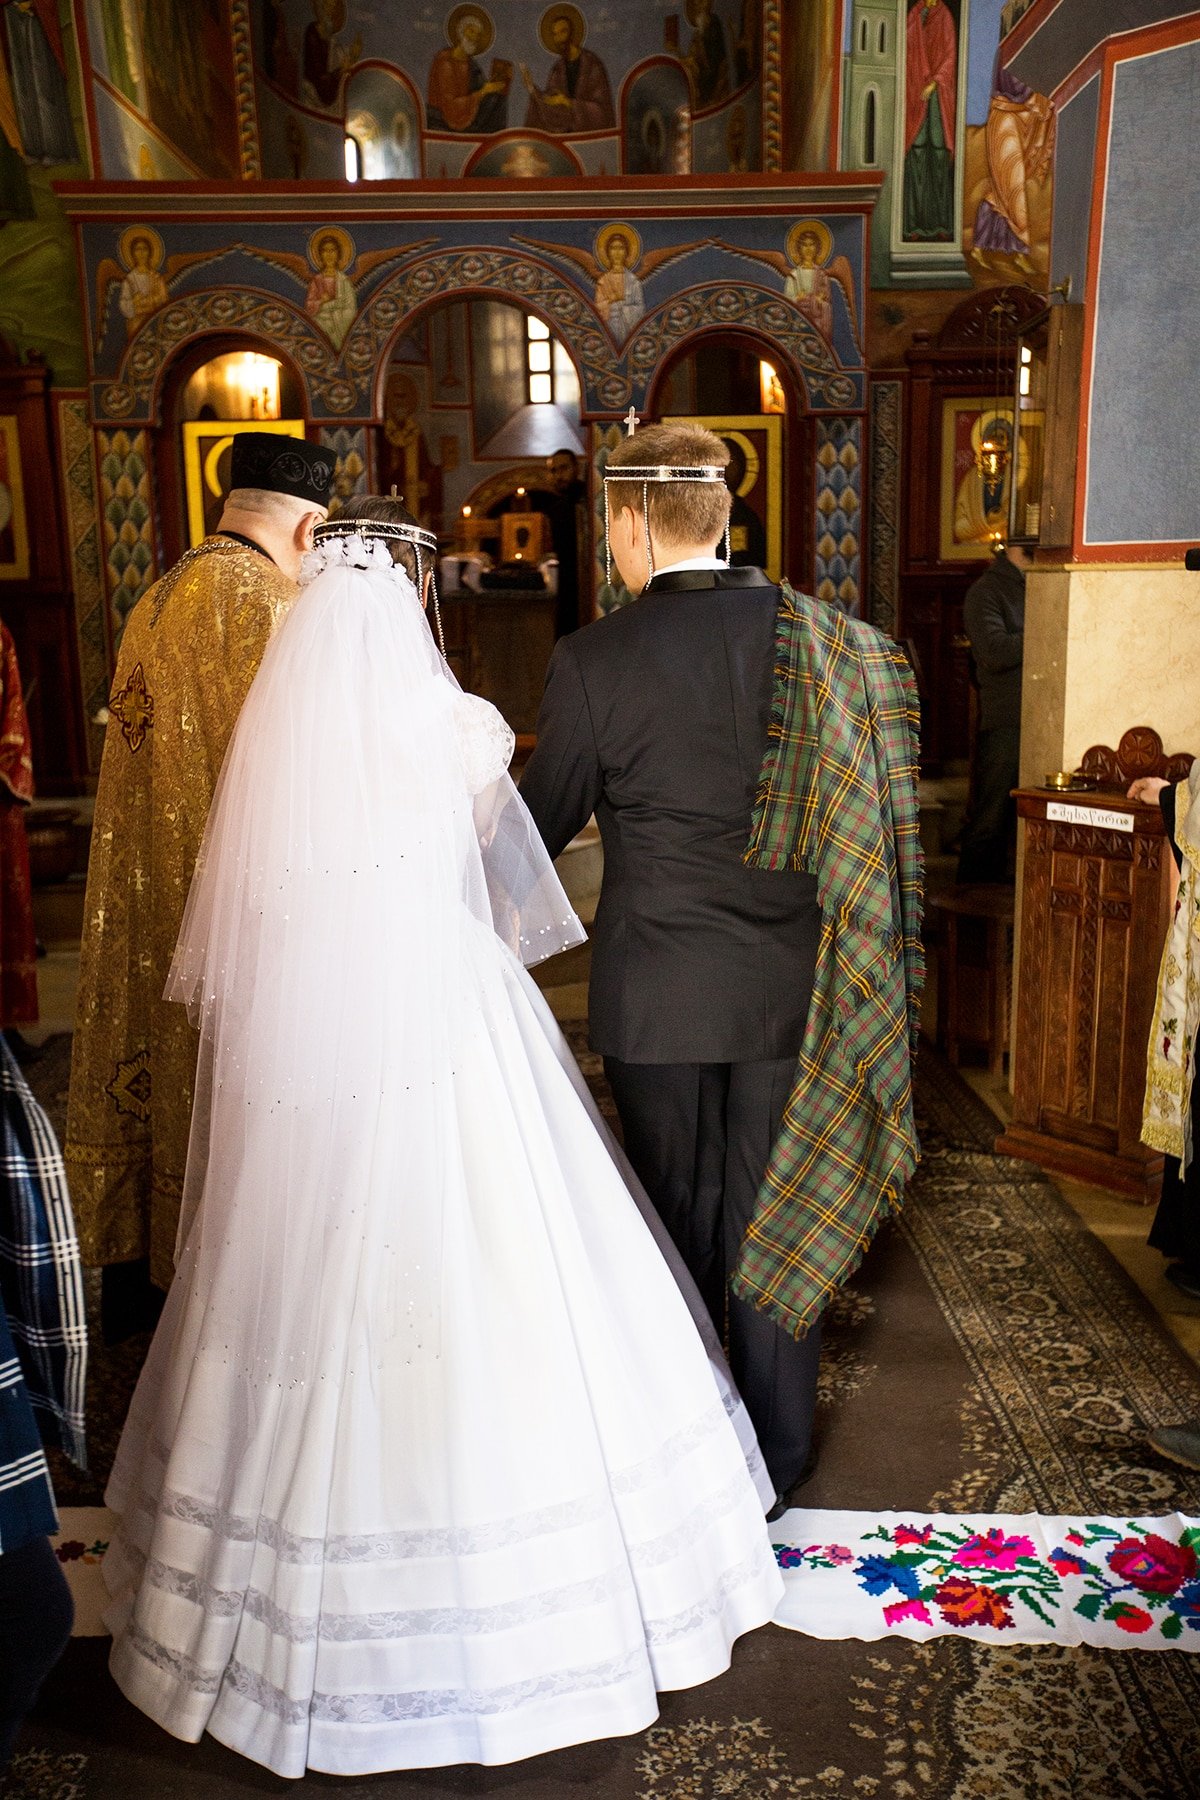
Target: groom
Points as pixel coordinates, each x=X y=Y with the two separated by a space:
x=655 y=719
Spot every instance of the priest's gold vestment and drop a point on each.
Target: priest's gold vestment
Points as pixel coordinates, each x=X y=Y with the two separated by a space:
x=190 y=650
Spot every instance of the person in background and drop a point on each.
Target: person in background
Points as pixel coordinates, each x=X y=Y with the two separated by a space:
x=563 y=506
x=994 y=621
x=1171 y=1117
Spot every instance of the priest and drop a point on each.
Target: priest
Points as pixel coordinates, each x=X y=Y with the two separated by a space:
x=189 y=652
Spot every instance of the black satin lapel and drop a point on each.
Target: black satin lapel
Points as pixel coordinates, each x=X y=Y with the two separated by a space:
x=683 y=581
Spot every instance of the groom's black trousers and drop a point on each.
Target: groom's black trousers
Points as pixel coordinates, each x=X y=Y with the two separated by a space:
x=699 y=1136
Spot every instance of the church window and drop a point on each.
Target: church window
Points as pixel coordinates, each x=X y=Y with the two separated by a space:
x=869 y=130
x=353 y=159
x=883 y=37
x=864 y=27
x=539 y=362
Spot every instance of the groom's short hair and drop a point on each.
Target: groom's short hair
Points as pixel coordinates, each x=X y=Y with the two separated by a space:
x=680 y=512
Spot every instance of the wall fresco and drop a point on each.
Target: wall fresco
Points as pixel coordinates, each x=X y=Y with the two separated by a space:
x=621 y=87
x=167 y=101
x=966 y=147
x=621 y=297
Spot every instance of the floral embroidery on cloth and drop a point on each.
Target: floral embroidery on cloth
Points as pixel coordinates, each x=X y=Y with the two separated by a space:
x=1111 y=1583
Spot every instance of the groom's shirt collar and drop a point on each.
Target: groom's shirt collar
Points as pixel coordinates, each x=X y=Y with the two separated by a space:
x=693 y=562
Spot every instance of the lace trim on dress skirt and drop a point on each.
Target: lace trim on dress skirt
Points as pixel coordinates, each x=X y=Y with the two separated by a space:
x=423 y=1703
x=464 y=1621
x=395 y=1546
x=433 y=1703
x=704 y=1612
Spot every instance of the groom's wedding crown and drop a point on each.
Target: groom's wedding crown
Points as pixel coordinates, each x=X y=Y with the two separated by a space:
x=655 y=472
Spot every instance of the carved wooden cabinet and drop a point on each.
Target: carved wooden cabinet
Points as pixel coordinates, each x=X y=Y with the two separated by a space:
x=1094 y=909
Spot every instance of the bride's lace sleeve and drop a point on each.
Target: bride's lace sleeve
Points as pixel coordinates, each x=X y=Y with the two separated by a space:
x=485 y=741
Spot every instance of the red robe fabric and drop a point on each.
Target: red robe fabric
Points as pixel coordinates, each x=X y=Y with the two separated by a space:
x=932 y=56
x=18 y=946
x=450 y=90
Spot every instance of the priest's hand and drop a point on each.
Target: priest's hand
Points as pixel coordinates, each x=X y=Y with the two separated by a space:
x=1147 y=789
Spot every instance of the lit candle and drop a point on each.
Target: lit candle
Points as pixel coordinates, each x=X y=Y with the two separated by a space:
x=466 y=512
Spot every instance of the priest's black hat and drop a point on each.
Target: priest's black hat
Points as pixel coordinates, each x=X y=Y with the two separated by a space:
x=282 y=465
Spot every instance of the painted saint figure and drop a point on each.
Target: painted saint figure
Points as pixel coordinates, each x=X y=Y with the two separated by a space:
x=1019 y=140
x=37 y=65
x=931 y=89
x=325 y=61
x=810 y=273
x=619 y=268
x=143 y=290
x=461 y=97
x=331 y=299
x=708 y=53
x=577 y=95
x=619 y=297
x=142 y=275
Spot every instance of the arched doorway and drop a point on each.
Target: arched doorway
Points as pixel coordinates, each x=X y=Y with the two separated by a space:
x=481 y=434
x=220 y=385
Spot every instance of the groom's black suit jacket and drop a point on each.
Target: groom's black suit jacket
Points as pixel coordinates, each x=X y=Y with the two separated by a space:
x=655 y=719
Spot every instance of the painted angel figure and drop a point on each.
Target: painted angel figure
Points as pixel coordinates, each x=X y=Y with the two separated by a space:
x=330 y=297
x=143 y=275
x=619 y=268
x=811 y=275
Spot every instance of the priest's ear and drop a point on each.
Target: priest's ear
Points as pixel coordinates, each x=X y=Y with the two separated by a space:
x=306 y=524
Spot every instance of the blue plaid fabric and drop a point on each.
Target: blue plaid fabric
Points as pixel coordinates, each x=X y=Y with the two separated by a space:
x=41 y=1278
x=26 y=1498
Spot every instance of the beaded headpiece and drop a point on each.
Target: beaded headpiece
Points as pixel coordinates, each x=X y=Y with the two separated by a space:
x=646 y=474
x=416 y=535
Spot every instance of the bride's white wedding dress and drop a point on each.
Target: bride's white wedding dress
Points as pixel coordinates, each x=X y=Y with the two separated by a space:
x=428 y=1462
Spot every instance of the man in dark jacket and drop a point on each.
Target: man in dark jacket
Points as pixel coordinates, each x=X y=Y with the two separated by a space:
x=655 y=719
x=994 y=621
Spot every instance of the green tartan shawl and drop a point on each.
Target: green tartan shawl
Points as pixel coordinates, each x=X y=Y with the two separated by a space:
x=838 y=798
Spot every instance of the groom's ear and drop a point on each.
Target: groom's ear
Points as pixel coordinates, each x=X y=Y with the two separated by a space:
x=635 y=520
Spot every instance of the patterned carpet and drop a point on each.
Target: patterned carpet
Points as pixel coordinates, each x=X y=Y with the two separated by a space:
x=989 y=1357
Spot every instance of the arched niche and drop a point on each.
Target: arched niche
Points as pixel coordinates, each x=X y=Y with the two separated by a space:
x=656 y=120
x=461 y=426
x=383 y=116
x=174 y=447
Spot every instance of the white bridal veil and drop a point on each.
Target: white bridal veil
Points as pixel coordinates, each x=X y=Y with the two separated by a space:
x=363 y=834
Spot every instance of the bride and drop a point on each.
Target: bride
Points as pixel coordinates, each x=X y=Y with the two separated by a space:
x=428 y=1462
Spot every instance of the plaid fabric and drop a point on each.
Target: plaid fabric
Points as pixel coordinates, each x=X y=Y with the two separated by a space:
x=26 y=1498
x=838 y=798
x=41 y=1278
